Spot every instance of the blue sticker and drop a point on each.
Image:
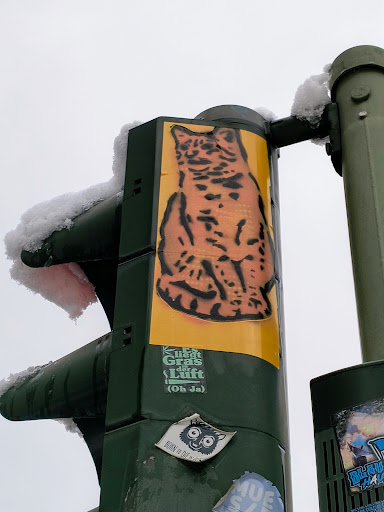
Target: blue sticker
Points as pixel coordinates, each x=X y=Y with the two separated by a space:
x=378 y=506
x=251 y=493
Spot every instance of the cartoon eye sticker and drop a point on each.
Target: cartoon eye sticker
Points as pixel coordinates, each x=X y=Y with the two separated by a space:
x=201 y=437
x=208 y=441
x=193 y=433
x=193 y=439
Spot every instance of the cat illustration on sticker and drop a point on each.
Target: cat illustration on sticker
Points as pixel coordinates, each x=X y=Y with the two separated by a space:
x=215 y=250
x=194 y=439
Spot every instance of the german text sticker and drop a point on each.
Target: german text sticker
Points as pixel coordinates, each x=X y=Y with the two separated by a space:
x=194 y=439
x=251 y=493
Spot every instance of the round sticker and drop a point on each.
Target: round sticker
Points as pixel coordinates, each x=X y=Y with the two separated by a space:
x=251 y=493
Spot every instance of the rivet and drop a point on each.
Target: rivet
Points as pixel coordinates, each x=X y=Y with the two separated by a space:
x=360 y=93
x=363 y=114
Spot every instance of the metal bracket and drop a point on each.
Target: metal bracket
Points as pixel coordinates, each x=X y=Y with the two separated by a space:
x=291 y=130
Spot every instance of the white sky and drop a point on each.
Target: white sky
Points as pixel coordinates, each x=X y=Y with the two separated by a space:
x=72 y=73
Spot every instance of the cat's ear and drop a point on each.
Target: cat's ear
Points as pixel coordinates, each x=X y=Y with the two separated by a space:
x=230 y=138
x=226 y=134
x=180 y=134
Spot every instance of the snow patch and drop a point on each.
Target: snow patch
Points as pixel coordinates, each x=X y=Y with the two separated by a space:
x=266 y=113
x=311 y=97
x=65 y=285
x=15 y=379
x=70 y=426
x=321 y=142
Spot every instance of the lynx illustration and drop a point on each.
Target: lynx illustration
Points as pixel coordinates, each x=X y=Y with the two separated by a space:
x=215 y=251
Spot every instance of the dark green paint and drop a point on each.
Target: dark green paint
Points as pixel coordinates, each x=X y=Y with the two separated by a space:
x=159 y=482
x=75 y=387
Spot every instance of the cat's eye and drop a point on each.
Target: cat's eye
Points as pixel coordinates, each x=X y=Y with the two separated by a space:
x=184 y=147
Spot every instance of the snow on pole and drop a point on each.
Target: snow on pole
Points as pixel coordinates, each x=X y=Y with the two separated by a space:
x=70 y=426
x=311 y=98
x=15 y=379
x=65 y=285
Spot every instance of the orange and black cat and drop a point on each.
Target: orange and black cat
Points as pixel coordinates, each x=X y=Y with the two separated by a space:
x=215 y=251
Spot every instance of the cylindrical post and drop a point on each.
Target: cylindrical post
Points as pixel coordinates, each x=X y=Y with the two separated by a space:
x=357 y=85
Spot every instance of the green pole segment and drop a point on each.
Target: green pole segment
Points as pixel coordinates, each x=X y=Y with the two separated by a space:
x=357 y=85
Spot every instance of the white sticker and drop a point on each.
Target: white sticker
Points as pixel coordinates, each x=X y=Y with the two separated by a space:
x=194 y=439
x=251 y=493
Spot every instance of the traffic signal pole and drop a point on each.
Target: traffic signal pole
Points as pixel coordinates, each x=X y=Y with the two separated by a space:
x=188 y=394
x=171 y=356
x=183 y=406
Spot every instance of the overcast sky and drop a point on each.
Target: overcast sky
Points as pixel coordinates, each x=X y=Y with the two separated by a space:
x=72 y=73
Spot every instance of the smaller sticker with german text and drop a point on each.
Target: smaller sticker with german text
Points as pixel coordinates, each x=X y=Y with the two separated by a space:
x=183 y=370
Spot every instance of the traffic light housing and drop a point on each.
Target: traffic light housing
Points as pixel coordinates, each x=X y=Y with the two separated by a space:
x=75 y=387
x=119 y=389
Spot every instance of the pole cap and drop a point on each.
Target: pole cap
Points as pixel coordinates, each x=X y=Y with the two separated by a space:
x=234 y=112
x=351 y=59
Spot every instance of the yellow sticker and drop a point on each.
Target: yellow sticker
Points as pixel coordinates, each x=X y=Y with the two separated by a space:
x=214 y=284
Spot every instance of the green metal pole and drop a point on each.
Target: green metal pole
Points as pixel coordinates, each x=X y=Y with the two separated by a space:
x=357 y=85
x=348 y=404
